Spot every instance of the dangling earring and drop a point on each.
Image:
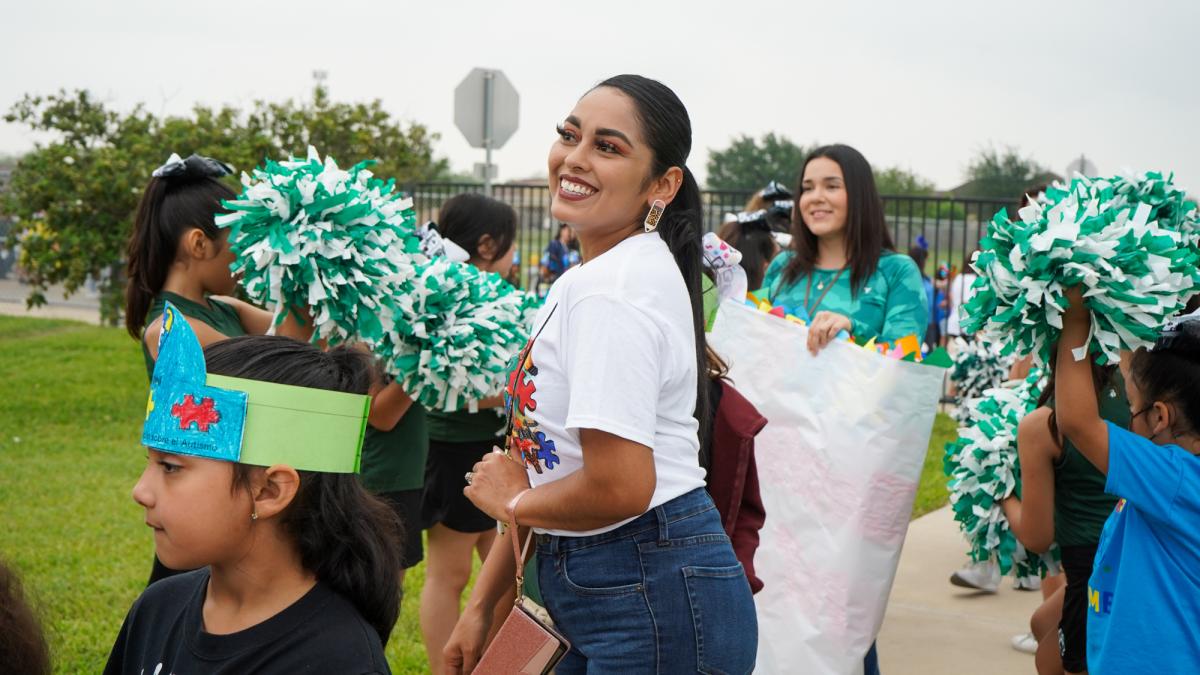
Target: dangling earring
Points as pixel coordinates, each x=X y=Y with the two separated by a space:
x=254 y=515
x=656 y=211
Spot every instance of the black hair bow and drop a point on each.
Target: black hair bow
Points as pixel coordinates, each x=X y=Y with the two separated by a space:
x=195 y=166
x=775 y=191
x=1181 y=334
x=754 y=219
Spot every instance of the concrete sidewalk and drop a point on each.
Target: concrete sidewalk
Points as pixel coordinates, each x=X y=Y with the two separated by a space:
x=78 y=307
x=934 y=628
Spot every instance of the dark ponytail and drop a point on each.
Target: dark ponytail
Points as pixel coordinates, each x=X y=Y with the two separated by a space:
x=668 y=131
x=168 y=209
x=756 y=243
x=347 y=538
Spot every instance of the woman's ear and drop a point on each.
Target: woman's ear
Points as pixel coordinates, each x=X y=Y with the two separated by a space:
x=666 y=186
x=275 y=490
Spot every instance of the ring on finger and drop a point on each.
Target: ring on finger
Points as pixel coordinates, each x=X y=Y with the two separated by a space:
x=470 y=475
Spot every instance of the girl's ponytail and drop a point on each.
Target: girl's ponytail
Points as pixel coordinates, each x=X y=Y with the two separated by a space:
x=168 y=209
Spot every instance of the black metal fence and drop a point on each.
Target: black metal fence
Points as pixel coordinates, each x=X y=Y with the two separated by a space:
x=952 y=227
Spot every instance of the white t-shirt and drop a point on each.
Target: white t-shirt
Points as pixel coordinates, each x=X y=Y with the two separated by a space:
x=613 y=349
x=960 y=292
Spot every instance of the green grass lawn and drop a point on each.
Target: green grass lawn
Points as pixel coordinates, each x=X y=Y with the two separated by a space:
x=69 y=456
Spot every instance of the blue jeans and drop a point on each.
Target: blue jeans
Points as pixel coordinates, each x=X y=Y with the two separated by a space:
x=661 y=594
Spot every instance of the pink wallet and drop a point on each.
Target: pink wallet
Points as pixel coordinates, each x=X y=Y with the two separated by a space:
x=524 y=646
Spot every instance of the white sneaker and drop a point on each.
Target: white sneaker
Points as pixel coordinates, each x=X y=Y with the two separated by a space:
x=982 y=576
x=1030 y=583
x=1025 y=643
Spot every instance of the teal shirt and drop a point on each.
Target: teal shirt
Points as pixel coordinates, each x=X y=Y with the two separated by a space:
x=889 y=306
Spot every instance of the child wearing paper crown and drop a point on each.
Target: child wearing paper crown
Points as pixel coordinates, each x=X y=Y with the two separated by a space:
x=1144 y=591
x=253 y=483
x=177 y=254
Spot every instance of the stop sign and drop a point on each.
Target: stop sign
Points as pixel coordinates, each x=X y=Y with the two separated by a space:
x=486 y=108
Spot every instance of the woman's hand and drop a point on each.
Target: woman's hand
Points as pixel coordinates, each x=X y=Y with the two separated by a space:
x=495 y=480
x=465 y=646
x=824 y=328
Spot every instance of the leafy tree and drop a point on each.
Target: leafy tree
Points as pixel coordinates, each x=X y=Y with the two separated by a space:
x=73 y=199
x=895 y=182
x=1001 y=174
x=749 y=164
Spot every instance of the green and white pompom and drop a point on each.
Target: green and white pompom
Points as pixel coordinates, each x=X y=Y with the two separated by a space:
x=984 y=469
x=308 y=234
x=979 y=365
x=452 y=334
x=1132 y=243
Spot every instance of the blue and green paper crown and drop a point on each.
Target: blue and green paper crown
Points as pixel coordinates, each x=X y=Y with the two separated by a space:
x=193 y=412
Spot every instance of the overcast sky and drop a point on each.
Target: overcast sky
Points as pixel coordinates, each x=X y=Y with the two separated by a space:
x=921 y=84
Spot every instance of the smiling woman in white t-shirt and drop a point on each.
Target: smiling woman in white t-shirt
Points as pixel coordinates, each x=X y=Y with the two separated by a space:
x=605 y=402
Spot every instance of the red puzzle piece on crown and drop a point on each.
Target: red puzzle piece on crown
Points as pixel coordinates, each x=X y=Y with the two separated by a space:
x=202 y=415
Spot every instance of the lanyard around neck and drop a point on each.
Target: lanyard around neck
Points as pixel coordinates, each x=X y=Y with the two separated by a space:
x=811 y=309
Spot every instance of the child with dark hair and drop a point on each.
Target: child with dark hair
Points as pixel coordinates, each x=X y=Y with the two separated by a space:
x=457 y=530
x=1144 y=590
x=177 y=254
x=23 y=647
x=751 y=234
x=254 y=484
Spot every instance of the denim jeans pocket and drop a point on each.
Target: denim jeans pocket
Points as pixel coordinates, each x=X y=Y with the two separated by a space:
x=613 y=568
x=724 y=618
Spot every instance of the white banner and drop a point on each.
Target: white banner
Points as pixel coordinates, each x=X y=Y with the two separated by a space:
x=838 y=465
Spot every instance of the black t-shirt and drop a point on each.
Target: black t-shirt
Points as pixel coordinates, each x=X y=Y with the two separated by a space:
x=322 y=632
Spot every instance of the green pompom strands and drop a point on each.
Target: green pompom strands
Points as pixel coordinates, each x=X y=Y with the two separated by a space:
x=310 y=235
x=984 y=470
x=978 y=366
x=344 y=244
x=455 y=334
x=1131 y=242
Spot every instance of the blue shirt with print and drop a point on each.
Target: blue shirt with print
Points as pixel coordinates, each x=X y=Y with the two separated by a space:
x=1144 y=593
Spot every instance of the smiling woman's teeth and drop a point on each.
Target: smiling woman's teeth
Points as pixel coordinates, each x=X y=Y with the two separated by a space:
x=575 y=188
